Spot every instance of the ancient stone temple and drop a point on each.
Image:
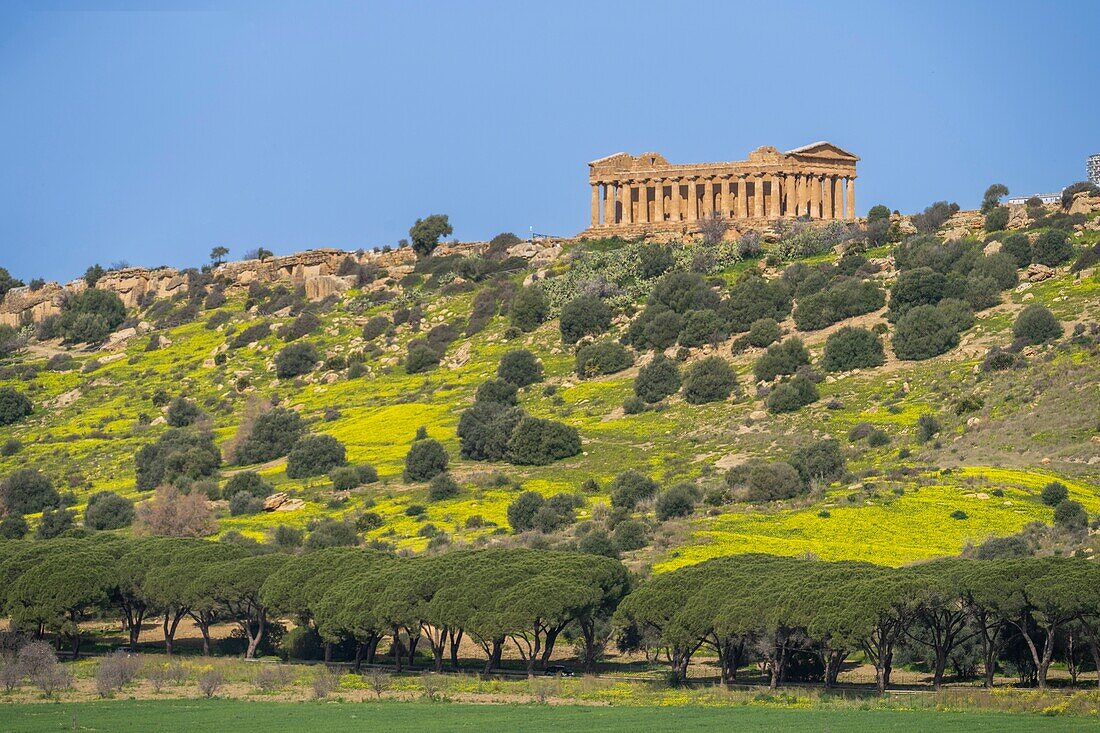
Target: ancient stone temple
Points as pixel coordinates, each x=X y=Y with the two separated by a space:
x=634 y=194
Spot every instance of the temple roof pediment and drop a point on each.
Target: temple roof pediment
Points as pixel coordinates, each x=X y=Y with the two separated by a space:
x=823 y=149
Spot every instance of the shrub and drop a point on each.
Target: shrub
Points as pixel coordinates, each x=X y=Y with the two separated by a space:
x=26 y=491
x=934 y=217
x=783 y=358
x=375 y=327
x=520 y=367
x=426 y=233
x=421 y=357
x=442 y=487
x=982 y=292
x=924 y=332
x=1036 y=325
x=1054 y=493
x=172 y=514
x=630 y=535
x=633 y=405
x=485 y=428
x=13 y=527
x=314 y=455
x=243 y=503
x=182 y=412
x=997 y=219
x=959 y=514
x=957 y=312
x=851 y=347
x=709 y=380
x=846 y=298
x=598 y=542
x=702 y=327
x=677 y=501
x=522 y=511
x=821 y=461
x=286 y=537
x=655 y=260
x=271 y=435
x=1088 y=258
x=1017 y=246
x=530 y=307
x=920 y=286
x=684 y=291
x=108 y=510
x=791 y=396
x=1075 y=188
x=655 y=327
x=763 y=332
x=305 y=324
x=585 y=315
x=91 y=316
x=1000 y=266
x=54 y=523
x=1070 y=515
x=426 y=459
x=177 y=452
x=500 y=244
x=251 y=335
x=878 y=438
x=927 y=427
x=1052 y=248
x=345 y=478
x=657 y=380
x=773 y=482
x=296 y=359
x=210 y=682
x=537 y=442
x=14 y=406
x=629 y=488
x=602 y=357
x=752 y=298
x=10 y=447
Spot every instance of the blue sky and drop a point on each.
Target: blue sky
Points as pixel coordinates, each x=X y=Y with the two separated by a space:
x=152 y=132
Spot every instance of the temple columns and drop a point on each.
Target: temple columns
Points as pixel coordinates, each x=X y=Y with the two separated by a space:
x=758 y=196
x=595 y=204
x=608 y=204
x=852 y=198
x=792 y=195
x=827 y=196
x=838 y=197
x=659 y=200
x=775 y=196
x=625 y=192
x=674 y=200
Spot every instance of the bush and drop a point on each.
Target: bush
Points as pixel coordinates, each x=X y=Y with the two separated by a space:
x=681 y=292
x=522 y=511
x=702 y=327
x=982 y=293
x=917 y=287
x=314 y=455
x=602 y=357
x=421 y=357
x=375 y=327
x=91 y=316
x=1088 y=258
x=182 y=412
x=763 y=332
x=630 y=534
x=14 y=406
x=54 y=523
x=1054 y=493
x=497 y=391
x=10 y=447
x=295 y=360
x=520 y=367
x=530 y=308
x=655 y=260
x=997 y=219
x=426 y=459
x=598 y=542
x=13 y=527
x=1070 y=515
x=846 y=298
x=108 y=510
x=442 y=487
x=629 y=488
x=344 y=478
x=537 y=442
x=934 y=217
x=633 y=405
x=851 y=347
x=752 y=298
x=792 y=396
x=178 y=452
x=773 y=482
x=784 y=358
x=1000 y=266
x=332 y=533
x=677 y=501
x=820 y=461
x=709 y=380
x=485 y=428
x=655 y=327
x=927 y=427
x=1052 y=248
x=1036 y=325
x=305 y=324
x=924 y=332
x=243 y=503
x=657 y=380
x=585 y=315
x=272 y=435
x=210 y=682
x=250 y=483
x=1017 y=246
x=878 y=438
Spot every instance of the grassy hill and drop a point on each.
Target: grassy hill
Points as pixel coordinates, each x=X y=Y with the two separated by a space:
x=1003 y=434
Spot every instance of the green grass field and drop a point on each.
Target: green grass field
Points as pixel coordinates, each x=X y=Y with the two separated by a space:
x=271 y=717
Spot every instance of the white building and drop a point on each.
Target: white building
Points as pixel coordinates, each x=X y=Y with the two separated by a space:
x=1046 y=198
x=1092 y=168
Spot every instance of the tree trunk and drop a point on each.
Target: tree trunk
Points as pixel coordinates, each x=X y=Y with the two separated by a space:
x=413 y=641
x=328 y=652
x=498 y=649
x=588 y=631
x=1095 y=647
x=359 y=648
x=398 y=648
x=937 y=672
x=372 y=647
x=456 y=639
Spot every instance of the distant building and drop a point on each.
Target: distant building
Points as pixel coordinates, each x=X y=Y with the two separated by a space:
x=1092 y=168
x=1046 y=198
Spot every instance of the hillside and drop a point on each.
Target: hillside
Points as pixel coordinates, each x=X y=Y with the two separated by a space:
x=1003 y=433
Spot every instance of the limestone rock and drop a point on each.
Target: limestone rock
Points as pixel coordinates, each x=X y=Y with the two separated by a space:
x=1036 y=272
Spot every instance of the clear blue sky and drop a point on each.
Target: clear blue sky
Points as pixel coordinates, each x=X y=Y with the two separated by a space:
x=151 y=133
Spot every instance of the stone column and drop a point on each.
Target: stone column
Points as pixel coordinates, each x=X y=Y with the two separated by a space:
x=643 y=203
x=742 y=198
x=595 y=204
x=723 y=196
x=792 y=195
x=815 y=196
x=852 y=197
x=625 y=190
x=827 y=193
x=758 y=196
x=674 y=200
x=775 y=196
x=693 y=200
x=608 y=204
x=659 y=200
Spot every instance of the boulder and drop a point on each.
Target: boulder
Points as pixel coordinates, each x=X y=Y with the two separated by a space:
x=1037 y=272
